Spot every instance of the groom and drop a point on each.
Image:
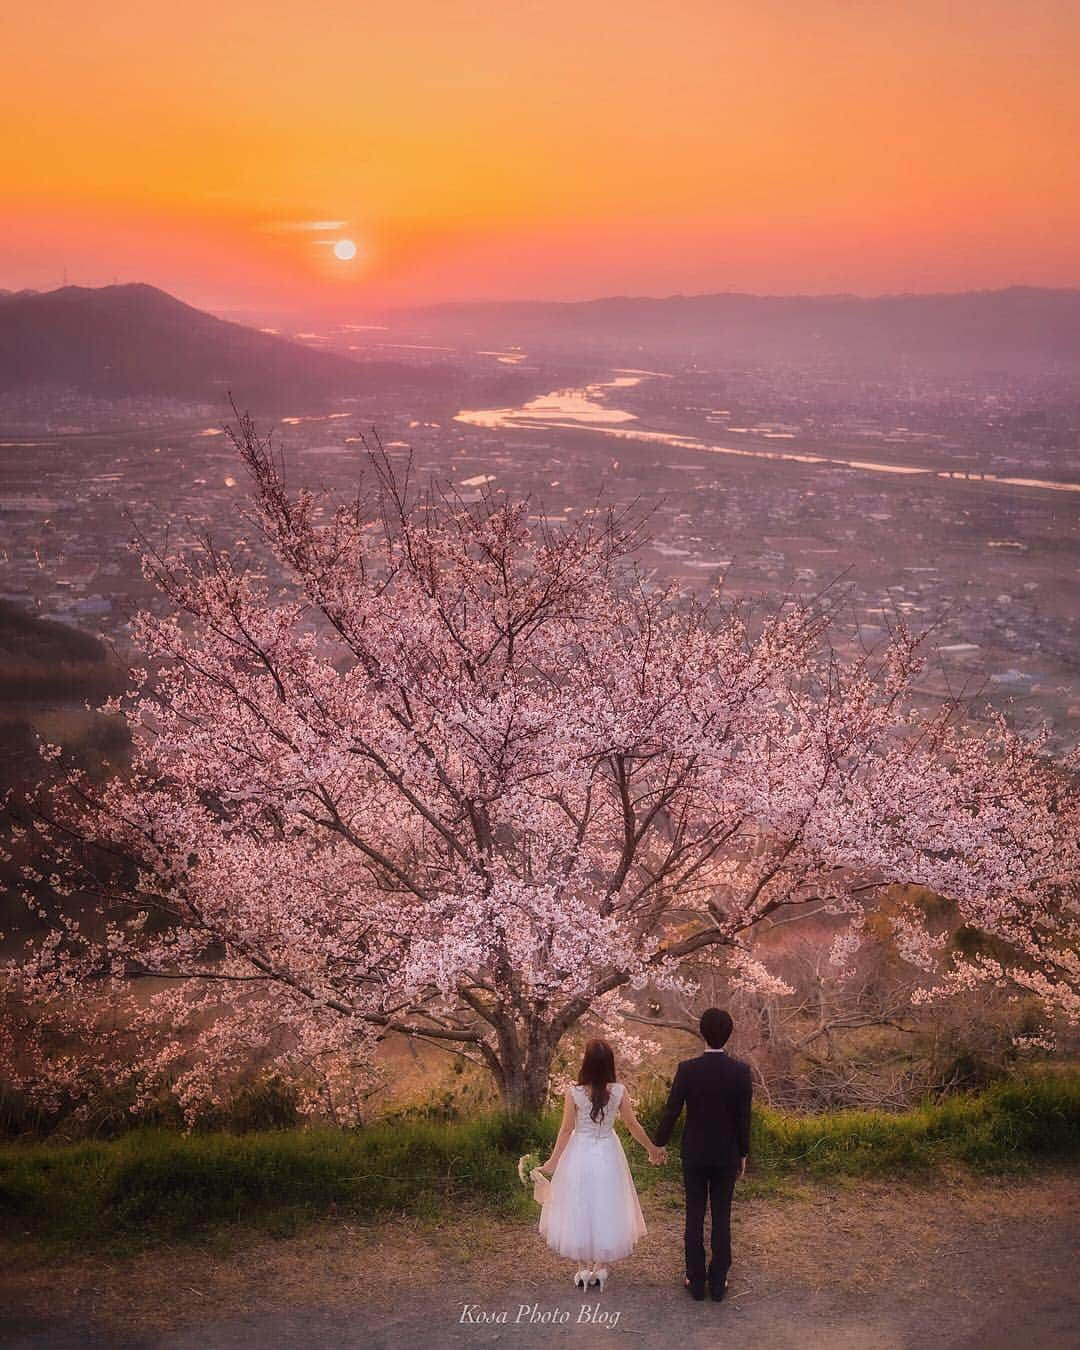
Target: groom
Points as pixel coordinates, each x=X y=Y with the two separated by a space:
x=715 y=1090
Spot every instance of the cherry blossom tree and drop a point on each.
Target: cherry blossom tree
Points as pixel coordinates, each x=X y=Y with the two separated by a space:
x=445 y=770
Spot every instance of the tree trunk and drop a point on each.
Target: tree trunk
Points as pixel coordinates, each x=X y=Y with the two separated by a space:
x=525 y=1087
x=524 y=1069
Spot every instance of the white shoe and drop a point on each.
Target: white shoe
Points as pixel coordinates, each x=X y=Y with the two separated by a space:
x=600 y=1277
x=582 y=1279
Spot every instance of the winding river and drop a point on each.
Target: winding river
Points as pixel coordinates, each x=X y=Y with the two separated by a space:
x=587 y=409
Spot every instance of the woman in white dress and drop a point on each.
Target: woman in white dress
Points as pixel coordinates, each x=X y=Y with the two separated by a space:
x=591 y=1213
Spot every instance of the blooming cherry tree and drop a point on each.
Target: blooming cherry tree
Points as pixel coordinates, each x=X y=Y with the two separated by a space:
x=469 y=778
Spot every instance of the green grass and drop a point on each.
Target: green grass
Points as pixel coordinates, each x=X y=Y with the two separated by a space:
x=1008 y=1127
x=158 y=1185
x=153 y=1185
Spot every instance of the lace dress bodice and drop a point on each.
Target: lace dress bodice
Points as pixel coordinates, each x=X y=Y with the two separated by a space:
x=584 y=1124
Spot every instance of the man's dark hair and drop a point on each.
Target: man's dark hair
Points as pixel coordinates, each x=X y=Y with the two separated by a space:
x=716 y=1025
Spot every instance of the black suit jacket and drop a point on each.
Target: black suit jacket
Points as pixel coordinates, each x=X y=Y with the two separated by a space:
x=716 y=1092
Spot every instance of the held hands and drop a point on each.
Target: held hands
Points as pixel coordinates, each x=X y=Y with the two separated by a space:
x=657 y=1156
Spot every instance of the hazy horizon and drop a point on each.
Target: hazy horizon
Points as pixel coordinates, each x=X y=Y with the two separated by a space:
x=236 y=312
x=339 y=306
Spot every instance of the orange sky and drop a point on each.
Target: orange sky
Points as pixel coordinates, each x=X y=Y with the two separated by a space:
x=556 y=149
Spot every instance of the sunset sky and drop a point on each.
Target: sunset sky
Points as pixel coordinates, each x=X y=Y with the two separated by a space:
x=563 y=149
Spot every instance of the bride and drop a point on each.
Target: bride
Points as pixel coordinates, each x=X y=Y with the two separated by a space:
x=591 y=1213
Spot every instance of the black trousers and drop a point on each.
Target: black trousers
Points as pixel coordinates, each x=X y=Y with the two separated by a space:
x=712 y=1186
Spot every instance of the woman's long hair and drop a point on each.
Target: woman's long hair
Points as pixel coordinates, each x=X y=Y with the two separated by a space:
x=597 y=1074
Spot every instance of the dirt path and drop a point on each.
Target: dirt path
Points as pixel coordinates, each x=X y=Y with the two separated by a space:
x=873 y=1267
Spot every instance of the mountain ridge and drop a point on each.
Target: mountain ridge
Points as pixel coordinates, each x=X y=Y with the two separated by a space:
x=800 y=298
x=135 y=339
x=1028 y=329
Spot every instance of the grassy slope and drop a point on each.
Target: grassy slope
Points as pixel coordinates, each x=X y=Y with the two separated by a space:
x=157 y=1185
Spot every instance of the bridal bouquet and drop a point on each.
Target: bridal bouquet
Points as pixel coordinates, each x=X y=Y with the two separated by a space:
x=529 y=1173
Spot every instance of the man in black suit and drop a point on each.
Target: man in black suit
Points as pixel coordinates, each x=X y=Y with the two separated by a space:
x=716 y=1091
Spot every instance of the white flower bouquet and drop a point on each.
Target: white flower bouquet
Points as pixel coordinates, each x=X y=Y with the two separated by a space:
x=529 y=1174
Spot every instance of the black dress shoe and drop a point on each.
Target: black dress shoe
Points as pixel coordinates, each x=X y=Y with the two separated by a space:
x=717 y=1291
x=695 y=1288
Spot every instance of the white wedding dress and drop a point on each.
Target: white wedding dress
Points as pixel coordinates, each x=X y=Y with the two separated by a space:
x=592 y=1212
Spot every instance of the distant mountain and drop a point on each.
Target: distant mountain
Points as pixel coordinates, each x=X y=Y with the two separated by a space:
x=1018 y=328
x=118 y=341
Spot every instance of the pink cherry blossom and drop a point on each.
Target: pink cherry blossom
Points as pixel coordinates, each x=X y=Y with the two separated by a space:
x=445 y=770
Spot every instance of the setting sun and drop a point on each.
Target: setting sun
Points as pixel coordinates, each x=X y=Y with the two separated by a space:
x=858 y=148
x=345 y=250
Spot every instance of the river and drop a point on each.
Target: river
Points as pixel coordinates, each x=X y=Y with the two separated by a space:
x=587 y=409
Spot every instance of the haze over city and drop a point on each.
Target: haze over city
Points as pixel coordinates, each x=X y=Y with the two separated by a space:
x=860 y=226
